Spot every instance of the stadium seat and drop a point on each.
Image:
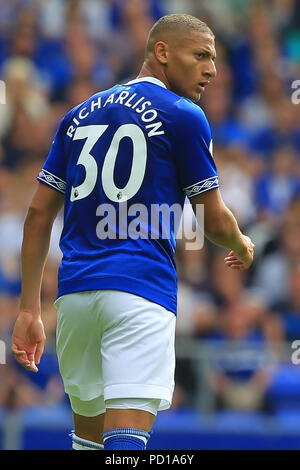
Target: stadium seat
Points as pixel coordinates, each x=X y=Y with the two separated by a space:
x=288 y=421
x=239 y=421
x=284 y=391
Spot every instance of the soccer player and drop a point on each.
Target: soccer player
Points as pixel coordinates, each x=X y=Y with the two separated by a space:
x=145 y=143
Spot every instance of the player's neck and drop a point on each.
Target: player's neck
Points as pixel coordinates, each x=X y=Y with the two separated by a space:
x=148 y=71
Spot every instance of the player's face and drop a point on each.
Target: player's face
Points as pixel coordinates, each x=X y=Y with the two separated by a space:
x=191 y=65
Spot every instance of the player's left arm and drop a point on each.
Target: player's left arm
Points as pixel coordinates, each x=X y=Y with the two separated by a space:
x=29 y=338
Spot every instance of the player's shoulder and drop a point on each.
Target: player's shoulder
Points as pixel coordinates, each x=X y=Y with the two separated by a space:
x=189 y=120
x=190 y=112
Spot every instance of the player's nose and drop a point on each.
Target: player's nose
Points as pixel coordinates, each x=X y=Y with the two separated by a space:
x=210 y=70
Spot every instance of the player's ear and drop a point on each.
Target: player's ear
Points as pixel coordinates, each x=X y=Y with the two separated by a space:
x=161 y=50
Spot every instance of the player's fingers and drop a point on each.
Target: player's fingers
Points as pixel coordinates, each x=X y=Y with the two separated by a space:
x=31 y=356
x=231 y=253
x=39 y=352
x=20 y=356
x=17 y=351
x=236 y=266
x=24 y=361
x=30 y=366
x=234 y=262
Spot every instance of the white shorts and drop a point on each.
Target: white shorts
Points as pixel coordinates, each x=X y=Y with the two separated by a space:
x=116 y=345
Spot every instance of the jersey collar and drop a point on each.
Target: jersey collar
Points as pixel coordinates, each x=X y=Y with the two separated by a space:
x=147 y=79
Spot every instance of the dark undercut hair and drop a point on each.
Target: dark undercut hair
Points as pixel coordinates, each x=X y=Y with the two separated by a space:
x=174 y=24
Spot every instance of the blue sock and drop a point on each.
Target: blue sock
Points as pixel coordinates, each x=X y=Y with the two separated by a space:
x=125 y=439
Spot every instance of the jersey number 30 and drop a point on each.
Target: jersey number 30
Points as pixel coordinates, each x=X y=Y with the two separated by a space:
x=139 y=158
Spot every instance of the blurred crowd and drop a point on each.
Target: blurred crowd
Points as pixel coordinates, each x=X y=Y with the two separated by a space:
x=54 y=54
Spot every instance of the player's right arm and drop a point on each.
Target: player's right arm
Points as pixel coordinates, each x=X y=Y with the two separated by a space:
x=221 y=228
x=198 y=178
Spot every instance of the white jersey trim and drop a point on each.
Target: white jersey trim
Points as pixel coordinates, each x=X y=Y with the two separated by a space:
x=147 y=79
x=201 y=186
x=51 y=180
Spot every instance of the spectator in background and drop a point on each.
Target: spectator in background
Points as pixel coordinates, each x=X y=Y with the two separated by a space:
x=95 y=14
x=231 y=287
x=236 y=174
x=196 y=314
x=14 y=197
x=242 y=50
x=278 y=186
x=86 y=59
x=256 y=111
x=289 y=310
x=271 y=276
x=26 y=107
x=11 y=221
x=18 y=390
x=289 y=22
x=77 y=92
x=15 y=389
x=284 y=13
x=283 y=131
x=240 y=365
x=9 y=11
x=193 y=285
x=226 y=129
x=226 y=285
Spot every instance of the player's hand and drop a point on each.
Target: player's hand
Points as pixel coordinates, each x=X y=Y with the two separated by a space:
x=28 y=340
x=241 y=261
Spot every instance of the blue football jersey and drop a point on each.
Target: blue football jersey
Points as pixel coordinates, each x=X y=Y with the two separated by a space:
x=135 y=146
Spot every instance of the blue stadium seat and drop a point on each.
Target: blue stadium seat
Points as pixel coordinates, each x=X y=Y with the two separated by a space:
x=47 y=427
x=2 y=418
x=47 y=415
x=288 y=421
x=239 y=421
x=284 y=391
x=181 y=420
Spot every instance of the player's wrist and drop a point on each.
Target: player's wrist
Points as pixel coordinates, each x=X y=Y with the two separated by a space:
x=242 y=248
x=34 y=312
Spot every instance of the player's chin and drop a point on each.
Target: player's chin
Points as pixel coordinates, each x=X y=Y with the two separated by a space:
x=192 y=92
x=195 y=97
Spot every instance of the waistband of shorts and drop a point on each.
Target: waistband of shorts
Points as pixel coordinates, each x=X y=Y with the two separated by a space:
x=120 y=283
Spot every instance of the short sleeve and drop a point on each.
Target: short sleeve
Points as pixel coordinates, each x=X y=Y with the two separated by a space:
x=53 y=172
x=197 y=171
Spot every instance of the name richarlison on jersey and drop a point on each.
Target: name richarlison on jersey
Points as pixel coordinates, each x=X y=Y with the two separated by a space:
x=131 y=100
